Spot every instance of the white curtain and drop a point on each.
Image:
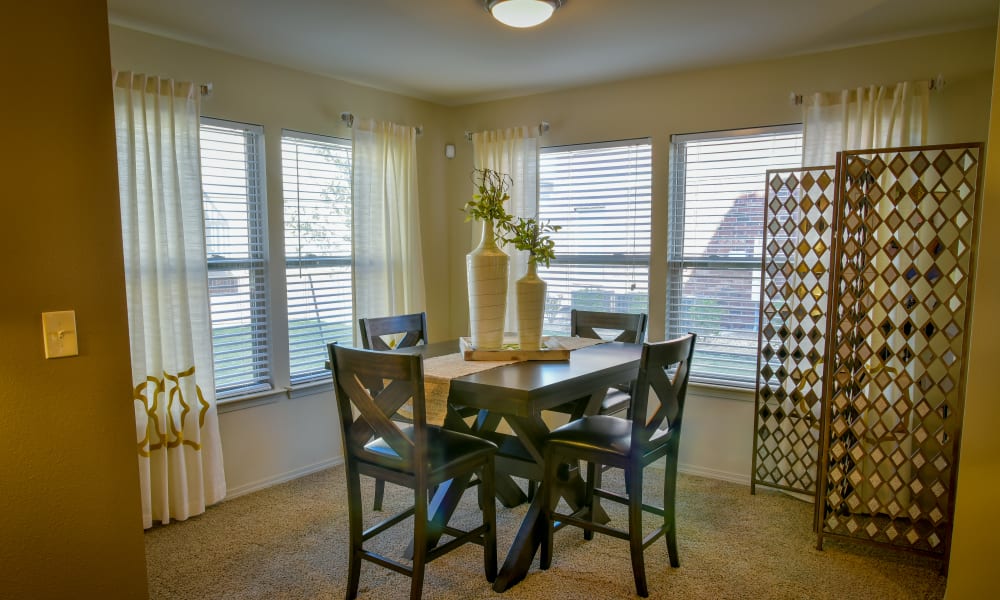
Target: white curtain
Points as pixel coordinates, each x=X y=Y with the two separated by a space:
x=166 y=284
x=877 y=116
x=513 y=151
x=868 y=118
x=388 y=260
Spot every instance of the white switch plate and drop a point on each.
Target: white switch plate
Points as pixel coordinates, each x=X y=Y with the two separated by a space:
x=59 y=329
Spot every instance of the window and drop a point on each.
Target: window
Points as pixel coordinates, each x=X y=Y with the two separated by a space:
x=235 y=245
x=715 y=243
x=600 y=195
x=316 y=184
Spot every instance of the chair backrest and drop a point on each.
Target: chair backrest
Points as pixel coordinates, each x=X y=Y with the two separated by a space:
x=371 y=387
x=664 y=369
x=585 y=323
x=412 y=326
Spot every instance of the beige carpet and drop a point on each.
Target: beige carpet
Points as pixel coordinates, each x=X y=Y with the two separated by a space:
x=290 y=542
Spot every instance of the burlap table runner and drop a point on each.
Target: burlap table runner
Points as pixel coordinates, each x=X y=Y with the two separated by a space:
x=440 y=370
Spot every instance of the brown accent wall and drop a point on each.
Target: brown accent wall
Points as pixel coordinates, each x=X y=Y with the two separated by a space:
x=70 y=520
x=973 y=555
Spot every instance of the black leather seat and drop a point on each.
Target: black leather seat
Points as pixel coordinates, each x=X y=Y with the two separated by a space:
x=629 y=444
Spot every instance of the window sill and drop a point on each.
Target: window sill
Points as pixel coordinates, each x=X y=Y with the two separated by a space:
x=235 y=403
x=722 y=392
x=272 y=396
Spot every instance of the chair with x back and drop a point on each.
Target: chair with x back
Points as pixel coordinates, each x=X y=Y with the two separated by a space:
x=392 y=333
x=370 y=387
x=615 y=326
x=630 y=444
x=412 y=327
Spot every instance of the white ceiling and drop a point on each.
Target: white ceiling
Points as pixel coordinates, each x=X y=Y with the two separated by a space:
x=452 y=52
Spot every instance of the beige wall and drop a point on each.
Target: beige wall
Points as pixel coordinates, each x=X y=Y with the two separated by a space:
x=973 y=556
x=70 y=520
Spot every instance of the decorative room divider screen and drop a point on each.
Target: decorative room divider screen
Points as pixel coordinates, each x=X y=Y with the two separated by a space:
x=798 y=217
x=882 y=366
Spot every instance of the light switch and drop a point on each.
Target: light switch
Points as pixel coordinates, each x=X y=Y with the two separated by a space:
x=59 y=329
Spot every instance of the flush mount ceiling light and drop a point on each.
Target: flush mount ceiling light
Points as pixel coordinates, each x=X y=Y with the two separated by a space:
x=522 y=13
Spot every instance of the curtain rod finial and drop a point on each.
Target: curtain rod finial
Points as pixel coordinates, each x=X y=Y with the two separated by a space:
x=347 y=118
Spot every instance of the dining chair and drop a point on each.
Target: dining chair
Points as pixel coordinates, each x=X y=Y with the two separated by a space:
x=406 y=331
x=412 y=327
x=619 y=327
x=370 y=387
x=616 y=327
x=629 y=444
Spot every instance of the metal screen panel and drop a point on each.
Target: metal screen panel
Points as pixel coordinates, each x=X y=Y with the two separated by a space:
x=904 y=243
x=798 y=215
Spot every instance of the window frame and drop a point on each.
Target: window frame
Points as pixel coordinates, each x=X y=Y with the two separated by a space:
x=559 y=326
x=677 y=265
x=307 y=379
x=262 y=357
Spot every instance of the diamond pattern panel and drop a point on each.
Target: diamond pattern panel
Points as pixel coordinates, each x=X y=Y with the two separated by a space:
x=798 y=213
x=903 y=267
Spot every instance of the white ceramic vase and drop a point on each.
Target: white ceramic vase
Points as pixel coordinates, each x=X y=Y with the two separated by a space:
x=530 y=308
x=487 y=267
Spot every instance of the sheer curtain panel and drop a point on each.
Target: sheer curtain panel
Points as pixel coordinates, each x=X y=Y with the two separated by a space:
x=513 y=151
x=388 y=261
x=877 y=116
x=177 y=429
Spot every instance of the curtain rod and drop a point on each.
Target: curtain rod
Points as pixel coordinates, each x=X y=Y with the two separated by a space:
x=348 y=119
x=543 y=128
x=206 y=90
x=937 y=83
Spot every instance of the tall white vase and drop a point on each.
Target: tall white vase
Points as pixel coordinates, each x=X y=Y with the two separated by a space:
x=487 y=267
x=530 y=308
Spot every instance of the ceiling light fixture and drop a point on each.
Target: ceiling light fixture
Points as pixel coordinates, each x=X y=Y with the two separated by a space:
x=522 y=13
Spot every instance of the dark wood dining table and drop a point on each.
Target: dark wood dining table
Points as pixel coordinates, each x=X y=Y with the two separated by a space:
x=518 y=394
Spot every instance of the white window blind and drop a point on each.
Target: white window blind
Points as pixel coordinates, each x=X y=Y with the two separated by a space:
x=235 y=241
x=600 y=195
x=715 y=243
x=316 y=183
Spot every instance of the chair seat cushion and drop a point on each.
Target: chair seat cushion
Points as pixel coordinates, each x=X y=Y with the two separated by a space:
x=601 y=433
x=445 y=448
x=615 y=401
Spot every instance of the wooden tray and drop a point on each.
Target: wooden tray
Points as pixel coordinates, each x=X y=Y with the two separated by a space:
x=551 y=350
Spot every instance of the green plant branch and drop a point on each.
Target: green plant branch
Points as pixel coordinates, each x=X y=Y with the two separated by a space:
x=530 y=235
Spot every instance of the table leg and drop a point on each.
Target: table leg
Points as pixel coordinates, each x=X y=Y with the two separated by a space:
x=530 y=535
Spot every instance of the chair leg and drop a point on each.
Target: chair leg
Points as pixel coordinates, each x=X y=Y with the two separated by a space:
x=379 y=494
x=420 y=529
x=489 y=505
x=532 y=485
x=354 y=505
x=669 y=508
x=635 y=531
x=593 y=480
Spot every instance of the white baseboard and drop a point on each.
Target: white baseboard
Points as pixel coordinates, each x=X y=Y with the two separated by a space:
x=740 y=478
x=260 y=484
